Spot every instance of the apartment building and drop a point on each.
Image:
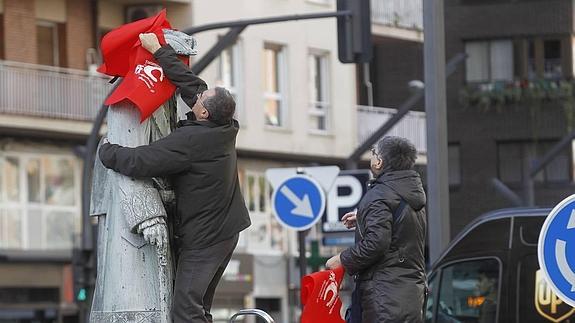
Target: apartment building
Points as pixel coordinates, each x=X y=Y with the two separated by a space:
x=47 y=101
x=497 y=128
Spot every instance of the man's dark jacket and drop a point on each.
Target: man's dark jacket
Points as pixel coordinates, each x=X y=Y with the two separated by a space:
x=200 y=158
x=388 y=257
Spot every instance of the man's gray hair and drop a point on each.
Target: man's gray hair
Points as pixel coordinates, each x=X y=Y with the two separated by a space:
x=397 y=153
x=221 y=106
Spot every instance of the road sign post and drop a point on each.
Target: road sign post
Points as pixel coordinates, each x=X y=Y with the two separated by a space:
x=556 y=250
x=299 y=199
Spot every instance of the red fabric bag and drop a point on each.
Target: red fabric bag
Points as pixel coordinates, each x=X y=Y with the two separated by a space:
x=144 y=82
x=320 y=296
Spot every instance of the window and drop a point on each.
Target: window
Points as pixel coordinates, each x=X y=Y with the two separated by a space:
x=429 y=306
x=544 y=58
x=469 y=292
x=454 y=164
x=318 y=80
x=513 y=157
x=39 y=201
x=48 y=45
x=531 y=60
x=1 y=36
x=229 y=75
x=552 y=59
x=274 y=83
x=265 y=234
x=489 y=61
x=256 y=193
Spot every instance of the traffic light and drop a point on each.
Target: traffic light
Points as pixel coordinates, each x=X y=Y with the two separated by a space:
x=82 y=266
x=81 y=296
x=354 y=31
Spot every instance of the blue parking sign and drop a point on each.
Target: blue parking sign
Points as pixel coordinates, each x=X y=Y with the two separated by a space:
x=556 y=250
x=298 y=202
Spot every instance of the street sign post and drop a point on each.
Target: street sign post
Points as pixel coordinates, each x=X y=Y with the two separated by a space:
x=556 y=250
x=298 y=200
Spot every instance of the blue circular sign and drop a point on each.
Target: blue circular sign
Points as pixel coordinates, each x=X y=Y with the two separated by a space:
x=556 y=250
x=298 y=202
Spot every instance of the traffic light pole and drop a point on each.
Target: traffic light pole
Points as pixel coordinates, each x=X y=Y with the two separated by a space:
x=260 y=21
x=436 y=115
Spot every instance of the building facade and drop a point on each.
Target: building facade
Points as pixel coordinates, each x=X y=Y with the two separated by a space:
x=503 y=114
x=296 y=103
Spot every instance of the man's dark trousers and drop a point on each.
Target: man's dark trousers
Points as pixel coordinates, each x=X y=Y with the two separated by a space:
x=197 y=276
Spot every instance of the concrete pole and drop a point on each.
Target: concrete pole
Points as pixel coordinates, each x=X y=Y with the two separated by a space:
x=436 y=113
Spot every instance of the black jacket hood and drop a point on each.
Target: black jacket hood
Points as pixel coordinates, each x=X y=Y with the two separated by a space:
x=407 y=184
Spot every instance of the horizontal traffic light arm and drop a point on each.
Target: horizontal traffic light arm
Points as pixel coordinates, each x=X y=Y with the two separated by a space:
x=259 y=21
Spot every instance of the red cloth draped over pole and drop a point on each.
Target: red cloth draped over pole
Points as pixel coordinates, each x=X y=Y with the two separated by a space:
x=320 y=296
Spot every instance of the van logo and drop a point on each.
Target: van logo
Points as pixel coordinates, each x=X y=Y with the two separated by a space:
x=547 y=303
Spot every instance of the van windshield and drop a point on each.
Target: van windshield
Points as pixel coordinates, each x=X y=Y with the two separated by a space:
x=469 y=292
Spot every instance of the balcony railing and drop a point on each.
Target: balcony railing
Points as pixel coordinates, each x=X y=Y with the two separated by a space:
x=411 y=126
x=407 y=14
x=49 y=92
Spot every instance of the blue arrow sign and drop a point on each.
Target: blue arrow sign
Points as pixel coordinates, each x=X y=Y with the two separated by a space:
x=556 y=250
x=298 y=202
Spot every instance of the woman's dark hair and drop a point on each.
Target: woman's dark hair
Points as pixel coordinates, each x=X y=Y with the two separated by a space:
x=396 y=152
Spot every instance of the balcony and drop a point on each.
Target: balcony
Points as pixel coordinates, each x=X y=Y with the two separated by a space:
x=407 y=14
x=398 y=19
x=50 y=92
x=411 y=126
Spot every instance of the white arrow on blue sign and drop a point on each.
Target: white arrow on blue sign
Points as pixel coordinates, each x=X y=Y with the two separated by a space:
x=556 y=250
x=298 y=202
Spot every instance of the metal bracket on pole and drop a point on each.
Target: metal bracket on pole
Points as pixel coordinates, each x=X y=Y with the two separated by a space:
x=226 y=41
x=539 y=165
x=552 y=153
x=507 y=193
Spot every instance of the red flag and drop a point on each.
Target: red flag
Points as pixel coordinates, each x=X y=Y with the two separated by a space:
x=320 y=296
x=117 y=45
x=144 y=82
